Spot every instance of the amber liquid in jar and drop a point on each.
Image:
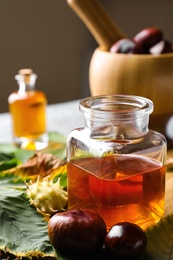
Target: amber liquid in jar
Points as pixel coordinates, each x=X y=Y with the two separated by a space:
x=119 y=188
x=28 y=113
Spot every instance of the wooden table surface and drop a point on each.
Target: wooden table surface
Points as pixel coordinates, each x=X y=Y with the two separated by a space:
x=169 y=184
x=169 y=193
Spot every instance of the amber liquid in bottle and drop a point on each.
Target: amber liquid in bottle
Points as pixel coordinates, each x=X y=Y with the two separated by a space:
x=119 y=188
x=28 y=111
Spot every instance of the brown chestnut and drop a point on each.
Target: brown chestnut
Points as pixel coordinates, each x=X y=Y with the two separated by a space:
x=77 y=232
x=148 y=37
x=161 y=47
x=126 y=240
x=126 y=46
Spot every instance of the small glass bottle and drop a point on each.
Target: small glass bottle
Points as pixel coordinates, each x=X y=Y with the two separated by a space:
x=28 y=111
x=116 y=165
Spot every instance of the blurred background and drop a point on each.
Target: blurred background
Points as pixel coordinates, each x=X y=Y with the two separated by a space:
x=47 y=36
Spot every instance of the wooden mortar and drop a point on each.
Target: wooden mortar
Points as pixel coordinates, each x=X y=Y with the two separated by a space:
x=147 y=75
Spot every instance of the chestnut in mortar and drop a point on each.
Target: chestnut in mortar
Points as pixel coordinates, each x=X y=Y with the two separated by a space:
x=77 y=232
x=163 y=46
x=126 y=46
x=147 y=41
x=125 y=241
x=148 y=37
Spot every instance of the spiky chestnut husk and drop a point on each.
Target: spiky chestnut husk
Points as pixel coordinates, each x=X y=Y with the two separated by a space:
x=48 y=197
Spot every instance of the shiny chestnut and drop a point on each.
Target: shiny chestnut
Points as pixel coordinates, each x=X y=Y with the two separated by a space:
x=161 y=47
x=126 y=46
x=148 y=37
x=77 y=232
x=125 y=241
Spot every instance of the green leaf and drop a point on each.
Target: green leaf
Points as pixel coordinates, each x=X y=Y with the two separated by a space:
x=160 y=240
x=5 y=165
x=11 y=180
x=59 y=152
x=9 y=152
x=63 y=179
x=8 y=148
x=23 y=155
x=57 y=147
x=57 y=137
x=23 y=231
x=6 y=156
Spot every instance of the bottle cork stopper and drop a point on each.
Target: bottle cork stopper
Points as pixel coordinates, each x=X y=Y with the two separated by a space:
x=26 y=75
x=26 y=72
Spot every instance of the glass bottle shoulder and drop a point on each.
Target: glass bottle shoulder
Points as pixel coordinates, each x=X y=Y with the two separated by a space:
x=81 y=138
x=32 y=95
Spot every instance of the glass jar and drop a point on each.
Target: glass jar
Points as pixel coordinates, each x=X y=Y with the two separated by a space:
x=28 y=112
x=116 y=165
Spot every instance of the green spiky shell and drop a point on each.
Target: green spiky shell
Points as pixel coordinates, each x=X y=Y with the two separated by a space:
x=48 y=197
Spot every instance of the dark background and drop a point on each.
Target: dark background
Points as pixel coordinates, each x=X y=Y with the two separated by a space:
x=47 y=36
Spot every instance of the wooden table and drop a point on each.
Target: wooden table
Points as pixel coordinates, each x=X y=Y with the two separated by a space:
x=169 y=186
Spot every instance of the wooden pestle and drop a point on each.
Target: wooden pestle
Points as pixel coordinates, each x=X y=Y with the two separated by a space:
x=97 y=20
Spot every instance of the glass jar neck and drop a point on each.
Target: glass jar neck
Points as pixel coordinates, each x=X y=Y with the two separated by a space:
x=26 y=80
x=118 y=116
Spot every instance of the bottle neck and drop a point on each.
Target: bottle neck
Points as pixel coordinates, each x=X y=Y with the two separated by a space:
x=117 y=117
x=117 y=129
x=26 y=80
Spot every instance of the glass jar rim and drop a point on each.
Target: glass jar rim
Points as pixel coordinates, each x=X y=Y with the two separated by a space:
x=119 y=106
